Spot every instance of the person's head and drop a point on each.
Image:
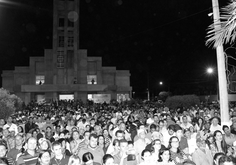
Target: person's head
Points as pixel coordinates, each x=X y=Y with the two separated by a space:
x=123 y=145
x=207 y=125
x=174 y=142
x=48 y=129
x=120 y=134
x=3 y=148
x=9 y=119
x=57 y=148
x=218 y=135
x=93 y=140
x=75 y=135
x=31 y=144
x=164 y=155
x=86 y=135
x=2 y=122
x=187 y=133
x=226 y=160
x=34 y=134
x=5 y=133
x=146 y=155
x=11 y=141
x=44 y=144
x=185 y=119
x=201 y=143
x=215 y=121
x=156 y=145
x=87 y=158
x=153 y=128
x=20 y=129
x=141 y=133
x=179 y=131
x=116 y=144
x=188 y=162
x=122 y=126
x=74 y=160
x=44 y=157
x=171 y=129
x=217 y=156
x=19 y=140
x=161 y=124
x=226 y=130
x=101 y=140
x=108 y=159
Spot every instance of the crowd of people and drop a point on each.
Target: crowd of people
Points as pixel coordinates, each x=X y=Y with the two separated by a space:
x=73 y=133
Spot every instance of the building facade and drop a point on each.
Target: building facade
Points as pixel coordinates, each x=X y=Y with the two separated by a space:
x=65 y=71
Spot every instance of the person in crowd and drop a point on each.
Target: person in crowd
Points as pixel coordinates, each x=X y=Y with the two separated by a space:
x=228 y=136
x=101 y=142
x=85 y=141
x=19 y=139
x=225 y=160
x=65 y=146
x=215 y=125
x=44 y=144
x=10 y=126
x=108 y=159
x=216 y=157
x=44 y=158
x=141 y=143
x=164 y=158
x=200 y=123
x=30 y=156
x=59 y=158
x=191 y=141
x=185 y=123
x=175 y=152
x=74 y=160
x=88 y=159
x=3 y=152
x=155 y=150
x=120 y=157
x=202 y=155
x=146 y=158
x=167 y=135
x=93 y=148
x=30 y=125
x=219 y=144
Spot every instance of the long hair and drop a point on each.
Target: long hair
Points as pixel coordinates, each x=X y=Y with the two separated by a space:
x=170 y=141
x=223 y=143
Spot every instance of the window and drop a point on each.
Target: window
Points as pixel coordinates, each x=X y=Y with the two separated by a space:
x=61 y=22
x=61 y=41
x=60 y=59
x=91 y=79
x=70 y=24
x=70 y=41
x=70 y=33
x=39 y=80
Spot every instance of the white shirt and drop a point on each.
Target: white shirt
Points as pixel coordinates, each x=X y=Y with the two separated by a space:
x=12 y=127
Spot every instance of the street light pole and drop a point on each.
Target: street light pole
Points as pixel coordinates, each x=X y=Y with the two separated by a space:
x=223 y=94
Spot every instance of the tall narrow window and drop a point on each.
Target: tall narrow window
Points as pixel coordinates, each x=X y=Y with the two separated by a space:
x=39 y=80
x=61 y=22
x=70 y=41
x=70 y=24
x=61 y=41
x=60 y=59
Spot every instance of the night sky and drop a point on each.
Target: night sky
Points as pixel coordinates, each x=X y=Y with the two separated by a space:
x=156 y=40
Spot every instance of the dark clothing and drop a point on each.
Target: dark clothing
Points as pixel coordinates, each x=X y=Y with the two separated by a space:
x=63 y=161
x=30 y=126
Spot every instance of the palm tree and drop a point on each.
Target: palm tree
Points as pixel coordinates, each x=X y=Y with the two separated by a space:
x=227 y=23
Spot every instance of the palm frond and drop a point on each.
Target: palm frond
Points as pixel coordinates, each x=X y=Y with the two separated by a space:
x=226 y=31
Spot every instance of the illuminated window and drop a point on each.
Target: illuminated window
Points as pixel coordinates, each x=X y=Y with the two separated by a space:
x=122 y=97
x=91 y=79
x=39 y=80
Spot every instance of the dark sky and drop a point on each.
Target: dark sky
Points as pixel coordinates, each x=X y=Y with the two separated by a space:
x=163 y=39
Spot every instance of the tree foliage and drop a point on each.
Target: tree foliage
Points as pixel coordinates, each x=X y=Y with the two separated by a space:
x=9 y=103
x=222 y=31
x=182 y=101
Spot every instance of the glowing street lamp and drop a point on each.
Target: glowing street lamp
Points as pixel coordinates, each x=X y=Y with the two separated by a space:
x=161 y=83
x=210 y=70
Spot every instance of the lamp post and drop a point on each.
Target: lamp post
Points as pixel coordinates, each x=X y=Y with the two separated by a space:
x=223 y=93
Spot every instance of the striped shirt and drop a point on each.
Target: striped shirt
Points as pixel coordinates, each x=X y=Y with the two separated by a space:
x=27 y=159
